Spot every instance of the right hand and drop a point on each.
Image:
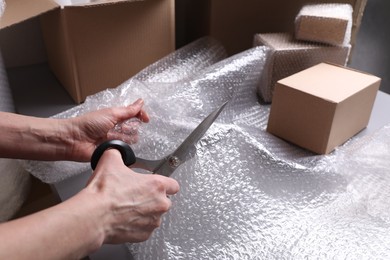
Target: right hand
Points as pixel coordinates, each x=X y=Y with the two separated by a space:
x=134 y=202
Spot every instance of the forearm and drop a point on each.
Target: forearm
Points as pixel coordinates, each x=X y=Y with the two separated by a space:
x=26 y=137
x=69 y=230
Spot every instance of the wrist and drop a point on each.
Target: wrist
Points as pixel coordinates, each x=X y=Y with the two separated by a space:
x=34 y=138
x=50 y=137
x=104 y=192
x=94 y=210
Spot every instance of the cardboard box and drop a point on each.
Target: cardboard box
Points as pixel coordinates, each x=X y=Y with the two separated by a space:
x=99 y=45
x=290 y=56
x=324 y=23
x=322 y=107
x=234 y=23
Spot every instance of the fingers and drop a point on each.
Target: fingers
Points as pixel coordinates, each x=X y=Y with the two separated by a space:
x=143 y=116
x=137 y=201
x=127 y=122
x=136 y=110
x=165 y=184
x=172 y=186
x=110 y=158
x=127 y=138
x=126 y=131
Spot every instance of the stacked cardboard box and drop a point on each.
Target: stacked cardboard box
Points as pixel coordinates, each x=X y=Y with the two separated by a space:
x=290 y=56
x=234 y=22
x=316 y=105
x=322 y=107
x=294 y=52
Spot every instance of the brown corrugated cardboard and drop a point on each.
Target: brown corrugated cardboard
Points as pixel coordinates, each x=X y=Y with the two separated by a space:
x=91 y=48
x=20 y=10
x=94 y=48
x=291 y=56
x=234 y=23
x=322 y=107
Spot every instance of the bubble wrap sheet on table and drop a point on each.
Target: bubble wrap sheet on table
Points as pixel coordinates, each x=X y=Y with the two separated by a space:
x=247 y=194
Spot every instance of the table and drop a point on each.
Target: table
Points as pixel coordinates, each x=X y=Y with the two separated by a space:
x=380 y=116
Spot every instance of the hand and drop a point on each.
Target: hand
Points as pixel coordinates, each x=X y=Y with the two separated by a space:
x=117 y=206
x=93 y=128
x=135 y=202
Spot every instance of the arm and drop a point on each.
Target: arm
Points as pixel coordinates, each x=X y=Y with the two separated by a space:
x=26 y=137
x=118 y=205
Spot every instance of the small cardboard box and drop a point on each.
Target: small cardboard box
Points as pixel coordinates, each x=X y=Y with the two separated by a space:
x=94 y=46
x=322 y=107
x=290 y=56
x=234 y=23
x=325 y=23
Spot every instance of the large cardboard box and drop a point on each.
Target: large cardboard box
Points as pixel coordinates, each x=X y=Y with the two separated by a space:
x=98 y=45
x=234 y=23
x=322 y=107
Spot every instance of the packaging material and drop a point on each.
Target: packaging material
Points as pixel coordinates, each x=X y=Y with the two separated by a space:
x=15 y=181
x=234 y=24
x=322 y=107
x=247 y=194
x=2 y=7
x=291 y=56
x=6 y=98
x=325 y=23
x=101 y=44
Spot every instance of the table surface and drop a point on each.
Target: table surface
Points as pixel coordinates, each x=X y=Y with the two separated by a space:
x=52 y=99
x=380 y=116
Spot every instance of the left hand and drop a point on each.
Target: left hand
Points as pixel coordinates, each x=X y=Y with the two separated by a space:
x=91 y=129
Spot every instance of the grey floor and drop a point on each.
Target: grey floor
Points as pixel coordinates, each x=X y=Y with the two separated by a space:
x=372 y=52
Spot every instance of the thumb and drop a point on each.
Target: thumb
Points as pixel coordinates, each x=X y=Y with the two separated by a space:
x=133 y=110
x=110 y=158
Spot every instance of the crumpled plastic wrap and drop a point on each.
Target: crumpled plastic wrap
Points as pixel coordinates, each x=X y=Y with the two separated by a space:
x=247 y=194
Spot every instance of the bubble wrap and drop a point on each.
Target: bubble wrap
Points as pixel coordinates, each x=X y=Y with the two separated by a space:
x=250 y=205
x=247 y=194
x=2 y=7
x=325 y=23
x=6 y=98
x=290 y=56
x=14 y=180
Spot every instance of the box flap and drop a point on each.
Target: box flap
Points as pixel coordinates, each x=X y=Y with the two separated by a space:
x=17 y=11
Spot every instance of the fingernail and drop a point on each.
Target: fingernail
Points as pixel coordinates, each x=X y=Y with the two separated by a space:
x=138 y=101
